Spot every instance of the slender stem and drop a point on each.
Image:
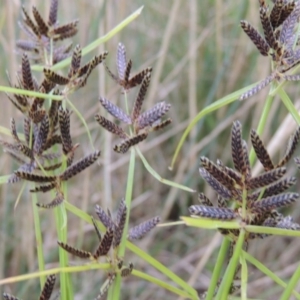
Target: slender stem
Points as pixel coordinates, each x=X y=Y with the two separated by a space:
x=217 y=269
x=114 y=292
x=244 y=279
x=291 y=285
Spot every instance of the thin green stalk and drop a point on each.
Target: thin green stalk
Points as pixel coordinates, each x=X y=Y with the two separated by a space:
x=217 y=269
x=114 y=292
x=231 y=268
x=291 y=285
x=244 y=279
x=38 y=237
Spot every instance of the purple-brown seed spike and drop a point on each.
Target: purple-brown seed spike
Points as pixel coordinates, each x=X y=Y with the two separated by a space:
x=246 y=159
x=104 y=218
x=127 y=73
x=139 y=231
x=44 y=188
x=111 y=127
x=115 y=110
x=276 y=13
x=152 y=115
x=35 y=177
x=137 y=79
x=37 y=116
x=221 y=202
x=26 y=74
x=267 y=27
x=54 y=77
x=121 y=61
x=58 y=200
x=74 y=251
x=105 y=244
x=161 y=125
x=286 y=11
x=112 y=75
x=261 y=151
x=292 y=145
x=273 y=202
x=96 y=229
x=125 y=145
x=53 y=140
x=42 y=26
x=127 y=270
x=217 y=173
x=237 y=148
x=204 y=200
x=48 y=287
x=27 y=127
x=260 y=43
x=215 y=213
x=106 y=286
x=29 y=23
x=288 y=223
x=79 y=166
x=13 y=130
x=9 y=297
x=75 y=62
x=265 y=179
x=64 y=125
x=215 y=184
x=65 y=31
x=53 y=13
x=52 y=167
x=120 y=224
x=25 y=150
x=40 y=141
x=141 y=96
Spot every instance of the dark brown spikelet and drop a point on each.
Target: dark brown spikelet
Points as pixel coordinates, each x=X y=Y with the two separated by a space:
x=111 y=127
x=37 y=115
x=104 y=218
x=256 y=38
x=74 y=251
x=75 y=62
x=44 y=188
x=141 y=96
x=215 y=184
x=127 y=71
x=29 y=23
x=127 y=270
x=9 y=297
x=92 y=64
x=64 y=125
x=265 y=179
x=237 y=149
x=273 y=202
x=40 y=141
x=267 y=27
x=52 y=19
x=125 y=145
x=204 y=200
x=42 y=26
x=212 y=212
x=26 y=74
x=108 y=284
x=115 y=110
x=217 y=173
x=139 y=231
x=222 y=202
x=13 y=130
x=35 y=177
x=96 y=229
x=258 y=87
x=65 y=31
x=54 y=77
x=292 y=144
x=105 y=244
x=152 y=115
x=286 y=11
x=58 y=200
x=119 y=224
x=246 y=160
x=137 y=79
x=27 y=128
x=79 y=166
x=162 y=125
x=276 y=13
x=48 y=287
x=121 y=61
x=261 y=152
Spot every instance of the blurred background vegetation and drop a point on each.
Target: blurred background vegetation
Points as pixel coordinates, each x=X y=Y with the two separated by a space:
x=199 y=54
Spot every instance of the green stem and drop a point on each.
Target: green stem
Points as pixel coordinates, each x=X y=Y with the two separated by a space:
x=291 y=285
x=114 y=292
x=217 y=269
x=38 y=237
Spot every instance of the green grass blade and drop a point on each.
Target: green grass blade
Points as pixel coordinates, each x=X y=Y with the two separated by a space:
x=286 y=295
x=272 y=230
x=210 y=224
x=4 y=178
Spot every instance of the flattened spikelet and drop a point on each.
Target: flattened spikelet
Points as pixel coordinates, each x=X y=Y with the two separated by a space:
x=273 y=202
x=115 y=110
x=286 y=11
x=162 y=125
x=105 y=244
x=212 y=212
x=37 y=116
x=104 y=218
x=48 y=287
x=35 y=177
x=216 y=185
x=120 y=223
x=64 y=125
x=261 y=152
x=92 y=64
x=246 y=160
x=111 y=127
x=152 y=115
x=40 y=141
x=267 y=27
x=75 y=62
x=121 y=61
x=139 y=231
x=9 y=297
x=125 y=145
x=265 y=178
x=79 y=166
x=256 y=38
x=44 y=188
x=52 y=19
x=204 y=200
x=141 y=96
x=42 y=26
x=26 y=74
x=29 y=22
x=237 y=148
x=96 y=229
x=127 y=72
x=65 y=31
x=137 y=79
x=54 y=77
x=54 y=203
x=108 y=284
x=276 y=13
x=74 y=251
